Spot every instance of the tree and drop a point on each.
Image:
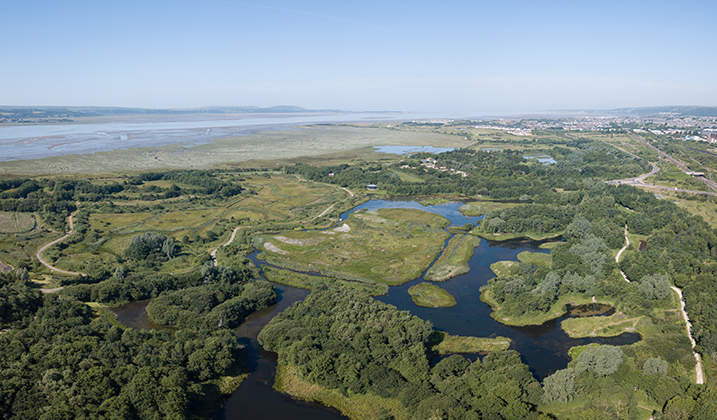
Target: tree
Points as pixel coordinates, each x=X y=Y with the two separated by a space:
x=578 y=228
x=602 y=360
x=560 y=386
x=654 y=287
x=655 y=366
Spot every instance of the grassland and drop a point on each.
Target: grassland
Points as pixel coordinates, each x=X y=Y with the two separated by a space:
x=454 y=259
x=390 y=246
x=355 y=407
x=199 y=224
x=503 y=268
x=453 y=344
x=535 y=258
x=307 y=281
x=600 y=326
x=431 y=296
x=706 y=209
x=477 y=208
x=14 y=222
x=339 y=143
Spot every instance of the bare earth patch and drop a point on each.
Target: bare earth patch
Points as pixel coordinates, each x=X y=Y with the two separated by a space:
x=273 y=248
x=344 y=228
x=298 y=242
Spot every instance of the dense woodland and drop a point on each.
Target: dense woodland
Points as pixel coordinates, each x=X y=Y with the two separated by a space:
x=61 y=361
x=342 y=339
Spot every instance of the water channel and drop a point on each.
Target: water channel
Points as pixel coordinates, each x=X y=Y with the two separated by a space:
x=544 y=348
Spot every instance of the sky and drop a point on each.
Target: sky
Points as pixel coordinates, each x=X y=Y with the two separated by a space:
x=442 y=57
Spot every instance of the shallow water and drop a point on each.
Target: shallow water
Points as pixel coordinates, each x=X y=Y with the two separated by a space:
x=39 y=141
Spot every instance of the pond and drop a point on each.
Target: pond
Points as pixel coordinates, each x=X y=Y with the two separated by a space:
x=544 y=348
x=544 y=159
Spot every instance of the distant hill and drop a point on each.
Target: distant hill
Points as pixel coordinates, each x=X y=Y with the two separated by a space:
x=695 y=111
x=8 y=114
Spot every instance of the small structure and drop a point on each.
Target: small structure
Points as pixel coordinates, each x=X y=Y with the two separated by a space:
x=372 y=187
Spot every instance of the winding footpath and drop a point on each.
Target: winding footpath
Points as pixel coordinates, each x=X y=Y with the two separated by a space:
x=699 y=375
x=234 y=232
x=231 y=239
x=46 y=264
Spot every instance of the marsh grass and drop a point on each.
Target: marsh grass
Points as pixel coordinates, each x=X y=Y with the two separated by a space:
x=390 y=246
x=454 y=259
x=453 y=344
x=431 y=296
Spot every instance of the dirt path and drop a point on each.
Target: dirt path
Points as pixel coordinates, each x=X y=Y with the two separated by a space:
x=234 y=232
x=46 y=264
x=231 y=239
x=699 y=375
x=347 y=190
x=331 y=206
x=617 y=257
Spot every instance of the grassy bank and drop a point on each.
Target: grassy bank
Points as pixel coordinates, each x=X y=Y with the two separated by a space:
x=431 y=296
x=454 y=260
x=477 y=208
x=453 y=344
x=309 y=282
x=355 y=407
x=535 y=258
x=503 y=268
x=600 y=326
x=508 y=236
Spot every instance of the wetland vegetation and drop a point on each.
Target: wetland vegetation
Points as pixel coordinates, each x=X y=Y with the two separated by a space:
x=150 y=235
x=431 y=296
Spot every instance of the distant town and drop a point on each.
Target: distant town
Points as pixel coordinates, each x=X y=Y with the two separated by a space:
x=686 y=127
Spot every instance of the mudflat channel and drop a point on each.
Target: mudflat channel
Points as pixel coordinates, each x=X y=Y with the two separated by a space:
x=544 y=348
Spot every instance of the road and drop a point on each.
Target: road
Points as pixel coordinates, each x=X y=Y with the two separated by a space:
x=640 y=182
x=46 y=264
x=682 y=166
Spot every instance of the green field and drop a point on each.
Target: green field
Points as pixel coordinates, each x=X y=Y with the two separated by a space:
x=535 y=258
x=454 y=259
x=453 y=344
x=478 y=208
x=14 y=222
x=431 y=296
x=390 y=246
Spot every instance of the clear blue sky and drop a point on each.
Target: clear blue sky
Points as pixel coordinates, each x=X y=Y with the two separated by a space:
x=451 y=56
